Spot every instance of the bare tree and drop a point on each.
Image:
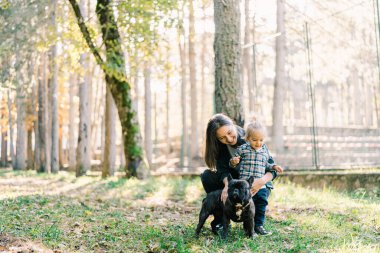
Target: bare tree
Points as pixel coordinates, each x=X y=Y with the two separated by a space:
x=4 y=135
x=21 y=112
x=148 y=114
x=31 y=116
x=72 y=92
x=182 y=52
x=4 y=146
x=54 y=97
x=194 y=146
x=37 y=151
x=167 y=130
x=44 y=159
x=110 y=136
x=83 y=163
x=10 y=121
x=84 y=140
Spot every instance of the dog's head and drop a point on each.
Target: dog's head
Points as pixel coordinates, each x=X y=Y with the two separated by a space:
x=239 y=190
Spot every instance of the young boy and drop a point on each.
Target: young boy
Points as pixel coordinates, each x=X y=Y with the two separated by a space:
x=255 y=160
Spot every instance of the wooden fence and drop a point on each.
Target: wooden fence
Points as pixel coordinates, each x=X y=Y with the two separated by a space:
x=336 y=148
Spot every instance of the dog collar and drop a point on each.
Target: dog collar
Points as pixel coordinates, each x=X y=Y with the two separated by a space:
x=239 y=209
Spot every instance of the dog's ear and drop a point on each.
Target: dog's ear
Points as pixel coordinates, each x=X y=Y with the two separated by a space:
x=229 y=177
x=250 y=180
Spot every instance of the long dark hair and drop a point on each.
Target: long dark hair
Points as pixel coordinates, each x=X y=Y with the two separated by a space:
x=212 y=142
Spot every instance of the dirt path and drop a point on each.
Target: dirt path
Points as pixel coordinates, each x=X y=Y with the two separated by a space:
x=13 y=245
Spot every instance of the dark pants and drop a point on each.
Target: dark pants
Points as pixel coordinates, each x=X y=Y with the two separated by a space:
x=211 y=181
x=261 y=202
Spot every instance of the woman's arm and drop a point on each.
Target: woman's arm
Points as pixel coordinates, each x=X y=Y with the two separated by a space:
x=224 y=195
x=258 y=183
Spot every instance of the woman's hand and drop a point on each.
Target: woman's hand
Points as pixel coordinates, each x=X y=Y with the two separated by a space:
x=278 y=168
x=256 y=186
x=224 y=195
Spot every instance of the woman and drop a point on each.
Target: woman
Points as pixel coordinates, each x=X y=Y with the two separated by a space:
x=222 y=139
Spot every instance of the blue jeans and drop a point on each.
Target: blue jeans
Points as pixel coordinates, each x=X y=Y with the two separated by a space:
x=261 y=202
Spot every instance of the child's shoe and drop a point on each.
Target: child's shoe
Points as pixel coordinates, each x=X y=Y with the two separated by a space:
x=260 y=230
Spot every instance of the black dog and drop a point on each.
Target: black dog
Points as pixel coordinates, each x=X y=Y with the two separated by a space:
x=239 y=207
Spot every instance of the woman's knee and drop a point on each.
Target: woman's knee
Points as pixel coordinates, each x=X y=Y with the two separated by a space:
x=206 y=175
x=210 y=181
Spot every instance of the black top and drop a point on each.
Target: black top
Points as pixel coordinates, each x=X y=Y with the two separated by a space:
x=224 y=156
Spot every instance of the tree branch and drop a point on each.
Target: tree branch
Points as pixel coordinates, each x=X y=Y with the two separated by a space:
x=86 y=33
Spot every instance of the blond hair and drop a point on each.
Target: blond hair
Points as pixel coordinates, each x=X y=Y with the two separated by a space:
x=252 y=127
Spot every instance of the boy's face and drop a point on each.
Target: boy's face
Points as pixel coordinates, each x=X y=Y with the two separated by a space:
x=256 y=139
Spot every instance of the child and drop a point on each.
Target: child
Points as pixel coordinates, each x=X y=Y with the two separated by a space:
x=255 y=160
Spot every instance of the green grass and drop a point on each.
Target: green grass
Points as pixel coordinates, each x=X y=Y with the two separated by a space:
x=160 y=214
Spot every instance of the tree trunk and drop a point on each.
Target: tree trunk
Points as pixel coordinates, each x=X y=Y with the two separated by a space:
x=121 y=91
x=44 y=159
x=110 y=136
x=228 y=87
x=83 y=163
x=182 y=52
x=148 y=114
x=122 y=155
x=10 y=121
x=32 y=115
x=278 y=96
x=194 y=147
x=84 y=140
x=37 y=151
x=114 y=70
x=247 y=58
x=4 y=146
x=61 y=151
x=4 y=136
x=203 y=103
x=167 y=130
x=54 y=99
x=97 y=102
x=134 y=69
x=72 y=128
x=21 y=126
x=30 y=155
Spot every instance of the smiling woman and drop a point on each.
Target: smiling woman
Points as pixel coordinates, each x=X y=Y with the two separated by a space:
x=227 y=134
x=223 y=137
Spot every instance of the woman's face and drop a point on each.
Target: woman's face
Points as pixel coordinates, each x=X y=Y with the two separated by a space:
x=227 y=134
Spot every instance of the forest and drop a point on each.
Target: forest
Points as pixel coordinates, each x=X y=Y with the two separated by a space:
x=104 y=106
